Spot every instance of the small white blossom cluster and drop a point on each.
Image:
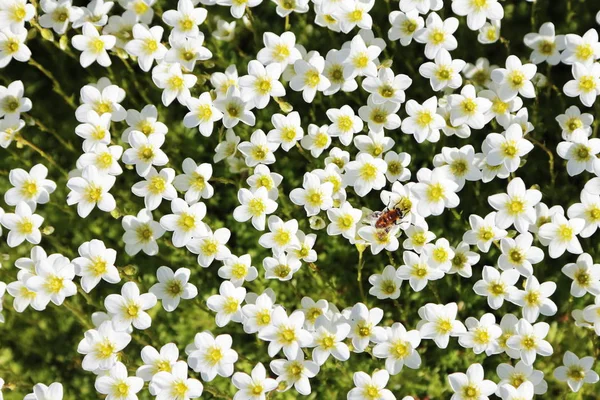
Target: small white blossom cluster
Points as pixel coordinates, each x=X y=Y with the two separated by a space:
x=481 y=104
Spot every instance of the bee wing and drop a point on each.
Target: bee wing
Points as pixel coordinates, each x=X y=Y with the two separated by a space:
x=374 y=216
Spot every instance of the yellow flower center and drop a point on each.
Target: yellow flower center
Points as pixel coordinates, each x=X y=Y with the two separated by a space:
x=282 y=270
x=157 y=185
x=345 y=123
x=282 y=237
x=96 y=45
x=437 y=37
x=587 y=83
x=281 y=52
x=424 y=118
x=98 y=267
x=93 y=193
x=239 y=270
x=104 y=160
x=105 y=349
x=497 y=288
x=400 y=349
x=151 y=45
x=263 y=85
x=55 y=284
x=444 y=326
x=257 y=207
x=443 y=73
x=231 y=305
x=146 y=153
x=29 y=189
x=584 y=51
x=355 y=16
x=515 y=206
x=186 y=222
x=287 y=336
x=313 y=77
x=436 y=192
x=546 y=47
x=368 y=172
x=214 y=355
x=186 y=24
x=174 y=288
x=470 y=392
x=565 y=233
x=516 y=79
x=144 y=233
x=210 y=247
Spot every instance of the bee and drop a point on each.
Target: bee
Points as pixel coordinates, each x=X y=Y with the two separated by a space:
x=392 y=216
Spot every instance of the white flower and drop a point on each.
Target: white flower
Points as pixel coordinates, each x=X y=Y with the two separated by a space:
x=185 y=19
x=586 y=84
x=471 y=385
x=363 y=323
x=585 y=275
x=519 y=374
x=227 y=149
x=334 y=71
x=365 y=174
x=58 y=14
x=371 y=387
x=104 y=158
x=435 y=192
x=141 y=233
x=257 y=315
x=287 y=130
x=439 y=255
x=286 y=332
x=404 y=25
x=463 y=260
x=354 y=13
x=254 y=386
x=223 y=81
x=281 y=267
x=53 y=280
x=317 y=140
x=588 y=210
x=285 y=8
x=396 y=166
x=520 y=254
x=23 y=225
x=417 y=271
x=210 y=246
x=146 y=45
x=202 y=114
x=100 y=347
x=173 y=286
x=459 y=164
x=93 y=46
x=516 y=206
x=591 y=316
x=361 y=58
x=380 y=239
x=580 y=153
x=314 y=195
x=421 y=6
x=328 y=339
x=423 y=121
x=145 y=152
x=482 y=335
x=12 y=102
x=399 y=348
x=185 y=222
x=546 y=45
x=95 y=12
x=30 y=187
x=95 y=262
x=444 y=72
x=581 y=49
x=279 y=49
x=387 y=86
x=117 y=385
x=561 y=235
x=282 y=236
x=254 y=205
x=309 y=77
x=238 y=270
x=295 y=372
x=212 y=356
x=344 y=123
x=529 y=341
x=261 y=83
x=155 y=362
x=507 y=148
x=194 y=181
x=437 y=34
x=156 y=187
x=535 y=299
x=469 y=109
x=129 y=308
x=91 y=190
x=343 y=220
x=576 y=371
x=385 y=285
x=417 y=236
x=145 y=121
x=438 y=322
x=102 y=98
x=514 y=79
x=238 y=8
x=94 y=131
x=478 y=11
x=573 y=120
x=12 y=45
x=380 y=116
x=259 y=150
x=496 y=286
x=175 y=84
x=483 y=231
x=176 y=384
x=227 y=304
x=186 y=51
x=43 y=392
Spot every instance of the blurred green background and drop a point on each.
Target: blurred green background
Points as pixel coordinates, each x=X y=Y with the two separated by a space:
x=41 y=346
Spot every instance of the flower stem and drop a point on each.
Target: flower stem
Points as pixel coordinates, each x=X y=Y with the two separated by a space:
x=55 y=84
